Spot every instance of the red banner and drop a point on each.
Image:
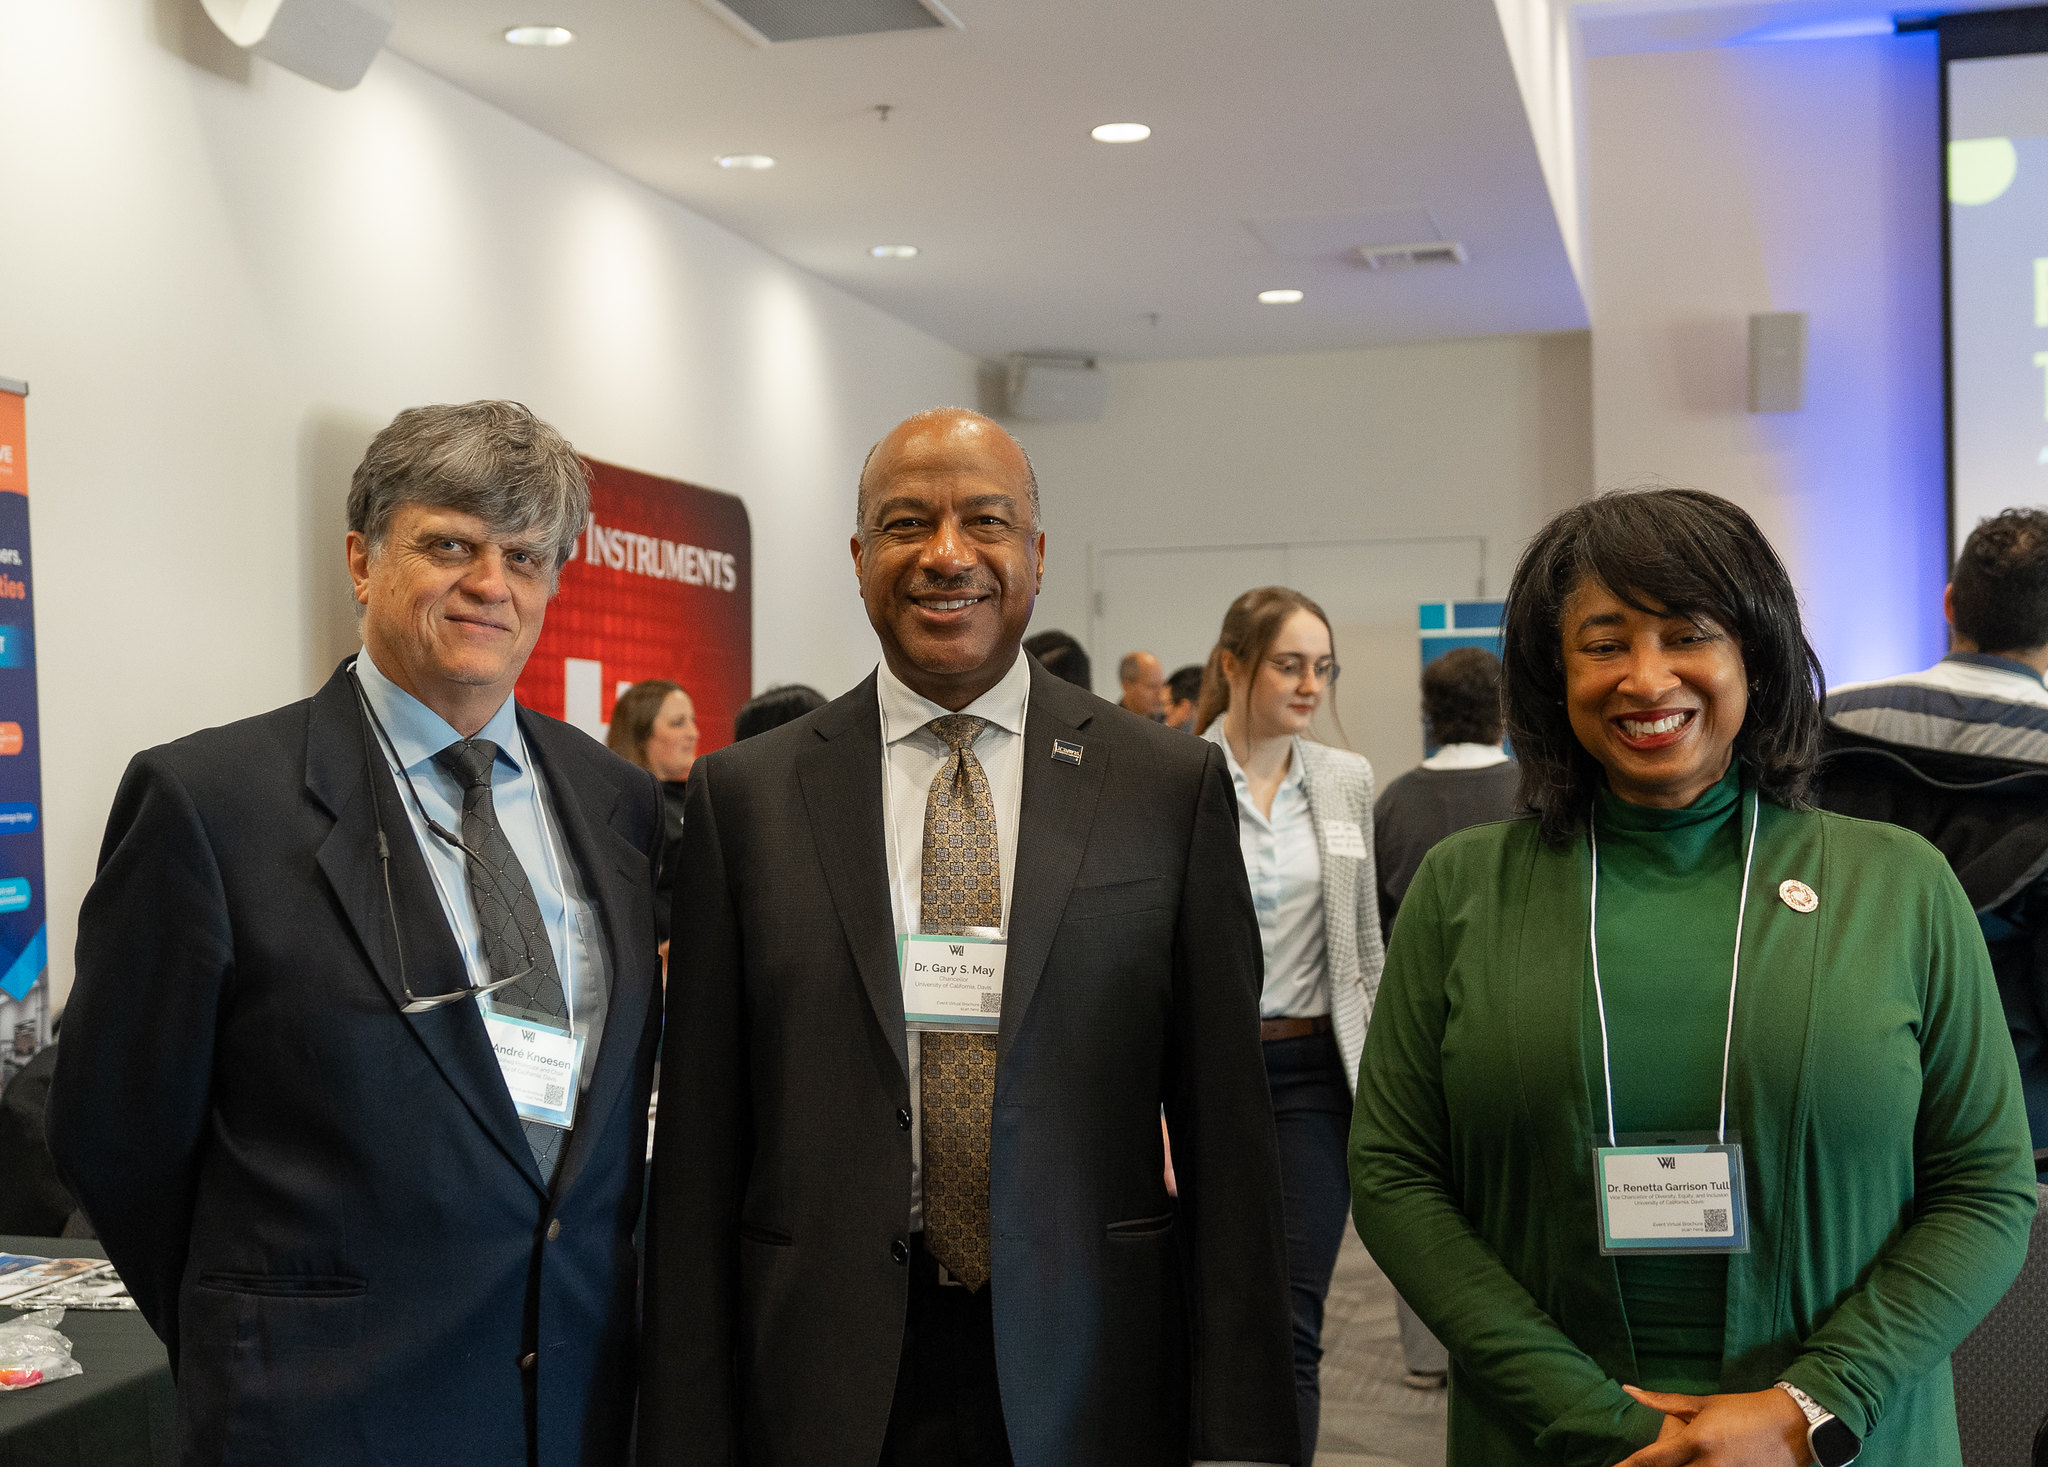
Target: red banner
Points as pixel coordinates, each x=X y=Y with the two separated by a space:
x=661 y=584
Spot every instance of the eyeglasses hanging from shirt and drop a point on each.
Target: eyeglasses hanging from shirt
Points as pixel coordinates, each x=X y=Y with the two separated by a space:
x=416 y=1003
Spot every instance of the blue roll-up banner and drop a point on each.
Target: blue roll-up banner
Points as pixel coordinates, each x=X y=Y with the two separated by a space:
x=24 y=947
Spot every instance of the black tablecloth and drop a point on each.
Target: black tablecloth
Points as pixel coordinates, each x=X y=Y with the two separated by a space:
x=120 y=1413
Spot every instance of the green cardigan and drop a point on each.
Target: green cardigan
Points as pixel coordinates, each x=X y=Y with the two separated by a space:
x=1874 y=1087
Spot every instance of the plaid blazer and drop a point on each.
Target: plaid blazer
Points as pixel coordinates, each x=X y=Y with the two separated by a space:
x=1340 y=788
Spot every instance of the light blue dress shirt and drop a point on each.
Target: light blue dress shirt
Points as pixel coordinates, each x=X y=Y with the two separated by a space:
x=1285 y=868
x=526 y=815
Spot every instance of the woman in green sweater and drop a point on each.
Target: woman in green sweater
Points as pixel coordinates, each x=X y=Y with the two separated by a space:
x=1687 y=1118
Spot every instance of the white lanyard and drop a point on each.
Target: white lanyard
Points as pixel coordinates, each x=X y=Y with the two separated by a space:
x=1734 y=973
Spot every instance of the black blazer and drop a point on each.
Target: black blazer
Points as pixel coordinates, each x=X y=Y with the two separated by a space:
x=1129 y=1330
x=325 y=1207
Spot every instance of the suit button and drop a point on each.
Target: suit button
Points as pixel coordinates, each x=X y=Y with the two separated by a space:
x=554 y=1230
x=526 y=1362
x=900 y=1251
x=902 y=1120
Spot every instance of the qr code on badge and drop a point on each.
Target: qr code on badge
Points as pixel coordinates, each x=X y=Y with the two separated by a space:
x=991 y=1003
x=554 y=1096
x=1717 y=1219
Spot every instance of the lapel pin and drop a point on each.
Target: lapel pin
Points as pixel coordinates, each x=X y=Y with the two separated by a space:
x=1065 y=752
x=1797 y=895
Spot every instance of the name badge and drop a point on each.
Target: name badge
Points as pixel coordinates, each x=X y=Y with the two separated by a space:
x=1343 y=838
x=952 y=985
x=1672 y=1198
x=541 y=1065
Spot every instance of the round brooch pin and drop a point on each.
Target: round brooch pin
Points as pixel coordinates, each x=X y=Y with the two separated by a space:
x=1797 y=895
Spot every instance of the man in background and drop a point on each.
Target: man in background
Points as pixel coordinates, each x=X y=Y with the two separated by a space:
x=1183 y=696
x=1143 y=682
x=1469 y=780
x=930 y=1229
x=354 y=1074
x=1959 y=753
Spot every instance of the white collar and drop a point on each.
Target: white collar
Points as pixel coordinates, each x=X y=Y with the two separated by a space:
x=1466 y=756
x=1293 y=776
x=905 y=712
x=418 y=733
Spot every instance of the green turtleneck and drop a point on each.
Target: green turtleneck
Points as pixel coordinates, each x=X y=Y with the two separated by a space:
x=1670 y=883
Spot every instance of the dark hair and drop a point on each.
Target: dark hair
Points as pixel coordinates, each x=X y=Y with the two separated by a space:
x=1665 y=552
x=633 y=718
x=2001 y=582
x=1461 y=697
x=1249 y=627
x=1063 y=657
x=1185 y=686
x=778 y=705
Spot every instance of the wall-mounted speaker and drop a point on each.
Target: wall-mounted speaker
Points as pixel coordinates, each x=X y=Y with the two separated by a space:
x=1777 y=362
x=331 y=42
x=1048 y=389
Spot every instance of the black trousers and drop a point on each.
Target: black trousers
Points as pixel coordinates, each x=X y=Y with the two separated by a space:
x=948 y=1411
x=1312 y=1115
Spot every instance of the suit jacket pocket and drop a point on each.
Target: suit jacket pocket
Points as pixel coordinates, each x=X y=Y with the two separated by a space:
x=772 y=1237
x=1115 y=899
x=286 y=1285
x=272 y=1371
x=1141 y=1227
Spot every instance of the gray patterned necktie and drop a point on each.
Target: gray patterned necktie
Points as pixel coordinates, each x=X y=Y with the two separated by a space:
x=508 y=919
x=961 y=888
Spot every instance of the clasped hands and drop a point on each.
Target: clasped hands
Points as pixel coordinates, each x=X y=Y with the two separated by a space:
x=1752 y=1429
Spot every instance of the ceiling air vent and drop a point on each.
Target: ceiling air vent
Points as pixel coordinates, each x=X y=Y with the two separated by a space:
x=1391 y=257
x=768 y=22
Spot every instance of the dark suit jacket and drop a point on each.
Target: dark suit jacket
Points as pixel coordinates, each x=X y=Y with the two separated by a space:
x=1129 y=1331
x=325 y=1207
x=1989 y=817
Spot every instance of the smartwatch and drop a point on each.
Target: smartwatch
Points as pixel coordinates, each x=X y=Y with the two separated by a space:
x=1832 y=1443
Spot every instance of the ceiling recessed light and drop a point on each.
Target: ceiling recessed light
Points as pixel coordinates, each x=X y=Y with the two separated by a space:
x=1121 y=132
x=894 y=252
x=540 y=35
x=754 y=161
x=1279 y=297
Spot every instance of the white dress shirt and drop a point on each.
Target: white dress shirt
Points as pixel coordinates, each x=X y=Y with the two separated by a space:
x=912 y=756
x=1285 y=867
x=1466 y=756
x=526 y=814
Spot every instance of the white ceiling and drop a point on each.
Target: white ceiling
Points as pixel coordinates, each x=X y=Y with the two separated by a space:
x=1285 y=132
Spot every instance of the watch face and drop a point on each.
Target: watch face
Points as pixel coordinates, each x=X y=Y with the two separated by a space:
x=1834 y=1445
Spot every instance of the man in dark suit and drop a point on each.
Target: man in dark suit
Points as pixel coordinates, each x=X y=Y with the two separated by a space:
x=921 y=1222
x=354 y=1076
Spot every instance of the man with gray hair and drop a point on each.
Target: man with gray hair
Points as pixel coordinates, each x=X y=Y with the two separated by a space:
x=355 y=1071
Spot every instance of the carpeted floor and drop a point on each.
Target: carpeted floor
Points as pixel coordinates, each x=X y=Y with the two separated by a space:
x=1369 y=1418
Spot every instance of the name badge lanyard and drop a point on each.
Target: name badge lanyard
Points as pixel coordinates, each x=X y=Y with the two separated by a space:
x=542 y=1062
x=952 y=983
x=1667 y=1196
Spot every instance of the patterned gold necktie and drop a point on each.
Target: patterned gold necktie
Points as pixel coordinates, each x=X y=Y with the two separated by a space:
x=962 y=888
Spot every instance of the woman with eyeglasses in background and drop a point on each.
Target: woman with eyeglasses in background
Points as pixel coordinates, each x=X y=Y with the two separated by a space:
x=1305 y=823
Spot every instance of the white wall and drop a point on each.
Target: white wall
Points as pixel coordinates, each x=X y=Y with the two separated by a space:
x=1482 y=438
x=220 y=280
x=1543 y=43
x=1793 y=177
